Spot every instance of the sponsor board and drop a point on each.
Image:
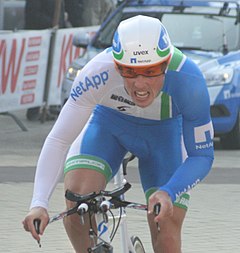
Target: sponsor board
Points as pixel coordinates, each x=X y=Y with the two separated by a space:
x=23 y=66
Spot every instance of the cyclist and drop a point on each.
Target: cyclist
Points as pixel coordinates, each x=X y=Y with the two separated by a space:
x=141 y=95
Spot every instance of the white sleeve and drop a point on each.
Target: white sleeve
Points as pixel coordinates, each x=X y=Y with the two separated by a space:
x=51 y=161
x=88 y=88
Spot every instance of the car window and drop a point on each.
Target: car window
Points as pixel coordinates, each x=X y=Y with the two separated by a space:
x=204 y=29
x=104 y=38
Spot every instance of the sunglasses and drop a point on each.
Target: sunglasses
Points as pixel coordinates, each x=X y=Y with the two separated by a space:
x=133 y=72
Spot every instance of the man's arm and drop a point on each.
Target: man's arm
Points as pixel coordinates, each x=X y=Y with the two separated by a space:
x=51 y=161
x=194 y=106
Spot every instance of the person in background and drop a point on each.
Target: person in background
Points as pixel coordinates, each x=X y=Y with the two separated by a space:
x=43 y=14
x=74 y=11
x=39 y=14
x=88 y=12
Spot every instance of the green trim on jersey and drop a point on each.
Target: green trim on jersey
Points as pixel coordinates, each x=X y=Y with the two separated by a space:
x=177 y=59
x=175 y=64
x=149 y=192
x=89 y=162
x=182 y=201
x=166 y=106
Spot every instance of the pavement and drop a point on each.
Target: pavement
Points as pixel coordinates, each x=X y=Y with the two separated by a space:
x=211 y=225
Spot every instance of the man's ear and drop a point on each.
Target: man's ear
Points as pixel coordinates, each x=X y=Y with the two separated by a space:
x=116 y=68
x=164 y=66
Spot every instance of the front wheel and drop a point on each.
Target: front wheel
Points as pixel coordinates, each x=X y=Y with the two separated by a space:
x=137 y=245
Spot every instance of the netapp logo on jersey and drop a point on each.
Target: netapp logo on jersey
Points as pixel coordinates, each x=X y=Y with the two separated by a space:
x=89 y=82
x=203 y=136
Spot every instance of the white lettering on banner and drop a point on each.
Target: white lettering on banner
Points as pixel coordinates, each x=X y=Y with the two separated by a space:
x=31 y=70
x=33 y=56
x=22 y=70
x=28 y=98
x=29 y=84
x=35 y=41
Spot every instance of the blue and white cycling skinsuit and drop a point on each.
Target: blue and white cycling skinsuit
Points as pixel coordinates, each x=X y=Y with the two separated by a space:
x=110 y=125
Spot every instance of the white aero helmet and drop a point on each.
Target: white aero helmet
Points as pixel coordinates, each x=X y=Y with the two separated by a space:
x=141 y=41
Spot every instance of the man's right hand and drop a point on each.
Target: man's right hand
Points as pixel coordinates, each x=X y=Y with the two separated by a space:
x=162 y=198
x=36 y=213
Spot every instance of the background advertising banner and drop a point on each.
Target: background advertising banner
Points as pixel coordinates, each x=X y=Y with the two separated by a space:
x=63 y=55
x=23 y=66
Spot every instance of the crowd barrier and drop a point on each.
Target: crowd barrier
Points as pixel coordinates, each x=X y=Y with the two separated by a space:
x=33 y=64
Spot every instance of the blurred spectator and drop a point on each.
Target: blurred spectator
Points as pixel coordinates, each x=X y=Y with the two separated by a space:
x=39 y=14
x=88 y=12
x=43 y=14
x=74 y=10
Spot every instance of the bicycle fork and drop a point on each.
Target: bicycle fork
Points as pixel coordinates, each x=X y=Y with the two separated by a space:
x=103 y=238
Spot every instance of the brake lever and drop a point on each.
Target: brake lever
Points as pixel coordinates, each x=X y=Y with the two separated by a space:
x=37 y=223
x=156 y=211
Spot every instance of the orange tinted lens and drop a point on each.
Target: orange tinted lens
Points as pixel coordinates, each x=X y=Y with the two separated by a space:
x=129 y=72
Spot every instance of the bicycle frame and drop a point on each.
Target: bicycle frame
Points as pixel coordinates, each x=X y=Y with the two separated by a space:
x=126 y=244
x=101 y=204
x=103 y=231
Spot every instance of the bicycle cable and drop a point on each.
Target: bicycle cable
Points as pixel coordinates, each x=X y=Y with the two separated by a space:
x=118 y=223
x=113 y=225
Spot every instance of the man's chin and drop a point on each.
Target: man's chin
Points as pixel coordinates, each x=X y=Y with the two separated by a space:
x=143 y=104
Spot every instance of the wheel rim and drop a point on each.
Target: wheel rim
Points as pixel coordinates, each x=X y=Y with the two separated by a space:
x=137 y=244
x=138 y=248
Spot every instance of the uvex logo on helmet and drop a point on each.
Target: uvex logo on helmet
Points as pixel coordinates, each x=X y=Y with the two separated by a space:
x=140 y=52
x=140 y=41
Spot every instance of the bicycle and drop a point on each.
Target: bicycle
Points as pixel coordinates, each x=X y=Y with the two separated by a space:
x=101 y=204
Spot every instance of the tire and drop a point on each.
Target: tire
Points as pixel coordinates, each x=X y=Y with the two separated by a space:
x=232 y=139
x=33 y=114
x=137 y=244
